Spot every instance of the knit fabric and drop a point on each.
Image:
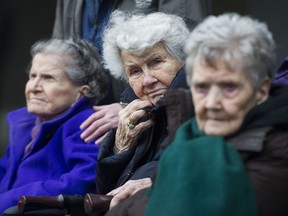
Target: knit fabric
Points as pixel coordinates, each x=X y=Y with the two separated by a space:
x=200 y=175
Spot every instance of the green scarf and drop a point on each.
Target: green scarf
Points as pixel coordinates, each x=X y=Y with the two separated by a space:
x=200 y=175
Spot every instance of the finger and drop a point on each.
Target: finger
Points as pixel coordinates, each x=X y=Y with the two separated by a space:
x=113 y=203
x=119 y=197
x=141 y=127
x=94 y=117
x=115 y=191
x=139 y=104
x=138 y=114
x=100 y=139
x=95 y=131
x=92 y=129
x=115 y=106
x=98 y=108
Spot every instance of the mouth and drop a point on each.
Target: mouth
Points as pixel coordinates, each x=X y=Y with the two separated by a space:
x=37 y=100
x=156 y=92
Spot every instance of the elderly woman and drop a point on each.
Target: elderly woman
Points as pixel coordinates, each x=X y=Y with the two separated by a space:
x=46 y=155
x=146 y=51
x=231 y=158
x=236 y=147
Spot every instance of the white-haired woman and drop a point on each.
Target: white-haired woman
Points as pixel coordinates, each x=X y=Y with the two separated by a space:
x=46 y=155
x=146 y=51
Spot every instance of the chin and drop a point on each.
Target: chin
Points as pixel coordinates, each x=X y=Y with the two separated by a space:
x=154 y=101
x=218 y=131
x=35 y=111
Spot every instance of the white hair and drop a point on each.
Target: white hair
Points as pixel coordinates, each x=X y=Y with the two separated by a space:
x=232 y=39
x=82 y=63
x=135 y=33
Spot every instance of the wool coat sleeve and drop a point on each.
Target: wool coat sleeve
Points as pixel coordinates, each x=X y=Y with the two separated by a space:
x=110 y=166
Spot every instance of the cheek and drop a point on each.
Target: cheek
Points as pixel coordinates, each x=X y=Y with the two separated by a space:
x=137 y=88
x=27 y=90
x=27 y=87
x=238 y=110
x=168 y=78
x=199 y=107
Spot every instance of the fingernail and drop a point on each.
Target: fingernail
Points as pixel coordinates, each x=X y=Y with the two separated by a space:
x=82 y=135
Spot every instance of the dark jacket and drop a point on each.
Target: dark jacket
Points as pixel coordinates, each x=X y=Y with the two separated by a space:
x=140 y=162
x=262 y=143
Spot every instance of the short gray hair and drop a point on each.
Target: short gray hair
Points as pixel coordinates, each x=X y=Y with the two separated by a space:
x=82 y=63
x=137 y=32
x=231 y=37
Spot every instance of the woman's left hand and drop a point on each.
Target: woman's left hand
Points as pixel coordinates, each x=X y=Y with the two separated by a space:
x=129 y=127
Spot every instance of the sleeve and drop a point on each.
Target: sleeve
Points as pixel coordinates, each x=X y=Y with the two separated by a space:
x=110 y=166
x=68 y=19
x=193 y=11
x=58 y=21
x=4 y=163
x=79 y=178
x=146 y=171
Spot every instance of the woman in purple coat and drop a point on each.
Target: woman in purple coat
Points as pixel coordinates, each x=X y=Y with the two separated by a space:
x=46 y=155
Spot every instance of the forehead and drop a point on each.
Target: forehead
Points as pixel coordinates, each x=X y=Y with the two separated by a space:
x=158 y=50
x=202 y=72
x=48 y=63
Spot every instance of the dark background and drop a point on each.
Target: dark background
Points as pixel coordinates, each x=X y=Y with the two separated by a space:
x=24 y=22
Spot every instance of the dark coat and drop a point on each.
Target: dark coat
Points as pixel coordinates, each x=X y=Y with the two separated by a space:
x=262 y=143
x=140 y=162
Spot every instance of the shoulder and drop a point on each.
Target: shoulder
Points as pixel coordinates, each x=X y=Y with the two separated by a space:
x=20 y=115
x=277 y=142
x=72 y=120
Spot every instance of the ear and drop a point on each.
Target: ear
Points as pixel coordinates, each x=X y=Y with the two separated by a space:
x=263 y=92
x=83 y=90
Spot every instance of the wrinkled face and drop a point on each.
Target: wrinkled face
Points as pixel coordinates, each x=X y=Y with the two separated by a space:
x=222 y=98
x=151 y=74
x=49 y=91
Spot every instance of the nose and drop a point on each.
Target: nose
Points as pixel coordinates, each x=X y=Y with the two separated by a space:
x=149 y=78
x=35 y=84
x=213 y=98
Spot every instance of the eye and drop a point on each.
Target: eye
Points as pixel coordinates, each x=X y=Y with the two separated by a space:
x=156 y=62
x=32 y=76
x=229 y=89
x=201 y=88
x=134 y=71
x=48 y=77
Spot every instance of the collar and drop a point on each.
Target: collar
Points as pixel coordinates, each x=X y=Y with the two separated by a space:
x=251 y=140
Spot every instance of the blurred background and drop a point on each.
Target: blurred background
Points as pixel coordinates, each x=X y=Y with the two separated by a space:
x=24 y=22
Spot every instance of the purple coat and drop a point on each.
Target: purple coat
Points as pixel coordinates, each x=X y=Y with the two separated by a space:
x=281 y=76
x=59 y=161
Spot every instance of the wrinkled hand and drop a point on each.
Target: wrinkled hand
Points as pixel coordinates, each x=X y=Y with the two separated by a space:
x=128 y=189
x=126 y=137
x=100 y=122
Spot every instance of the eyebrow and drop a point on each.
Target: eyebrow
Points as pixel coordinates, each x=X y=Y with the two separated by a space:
x=46 y=70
